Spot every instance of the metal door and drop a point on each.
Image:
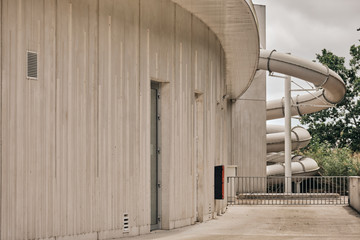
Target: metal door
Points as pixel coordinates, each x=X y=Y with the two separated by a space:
x=154 y=145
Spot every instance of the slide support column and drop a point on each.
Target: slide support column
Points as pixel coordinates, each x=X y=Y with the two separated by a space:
x=287 y=111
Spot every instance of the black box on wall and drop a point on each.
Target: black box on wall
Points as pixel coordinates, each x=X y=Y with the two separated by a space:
x=219 y=182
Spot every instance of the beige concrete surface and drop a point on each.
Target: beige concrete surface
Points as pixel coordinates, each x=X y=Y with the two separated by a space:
x=272 y=222
x=75 y=144
x=354 y=189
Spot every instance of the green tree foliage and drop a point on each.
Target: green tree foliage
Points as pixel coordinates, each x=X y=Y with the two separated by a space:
x=333 y=161
x=339 y=127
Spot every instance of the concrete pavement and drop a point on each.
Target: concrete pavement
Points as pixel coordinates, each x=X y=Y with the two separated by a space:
x=271 y=222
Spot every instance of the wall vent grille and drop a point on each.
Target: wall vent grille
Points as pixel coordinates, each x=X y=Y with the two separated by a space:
x=126 y=223
x=32 y=65
x=210 y=211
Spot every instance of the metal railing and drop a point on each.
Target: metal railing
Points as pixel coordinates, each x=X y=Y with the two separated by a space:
x=307 y=190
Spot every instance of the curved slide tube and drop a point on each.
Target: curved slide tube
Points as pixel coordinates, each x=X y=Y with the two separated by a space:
x=275 y=138
x=331 y=90
x=299 y=166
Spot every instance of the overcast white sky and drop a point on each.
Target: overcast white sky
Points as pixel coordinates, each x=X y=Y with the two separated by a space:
x=305 y=27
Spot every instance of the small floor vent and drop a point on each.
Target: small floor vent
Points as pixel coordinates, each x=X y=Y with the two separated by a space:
x=32 y=65
x=210 y=211
x=126 y=223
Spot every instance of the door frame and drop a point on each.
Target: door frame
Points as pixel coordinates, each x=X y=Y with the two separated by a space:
x=156 y=86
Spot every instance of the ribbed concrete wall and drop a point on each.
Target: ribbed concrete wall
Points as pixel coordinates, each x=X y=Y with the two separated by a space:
x=249 y=119
x=76 y=142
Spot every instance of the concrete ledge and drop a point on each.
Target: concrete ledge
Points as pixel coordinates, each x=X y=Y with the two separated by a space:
x=182 y=223
x=105 y=235
x=86 y=236
x=354 y=192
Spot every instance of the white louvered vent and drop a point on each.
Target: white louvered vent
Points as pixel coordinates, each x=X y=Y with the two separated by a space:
x=126 y=223
x=32 y=65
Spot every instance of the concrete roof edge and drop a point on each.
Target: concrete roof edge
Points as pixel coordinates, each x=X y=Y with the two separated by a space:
x=235 y=24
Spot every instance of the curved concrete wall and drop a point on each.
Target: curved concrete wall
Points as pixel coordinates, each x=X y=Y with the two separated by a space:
x=235 y=23
x=76 y=142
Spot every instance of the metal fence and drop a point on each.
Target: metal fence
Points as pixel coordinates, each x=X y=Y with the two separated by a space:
x=307 y=190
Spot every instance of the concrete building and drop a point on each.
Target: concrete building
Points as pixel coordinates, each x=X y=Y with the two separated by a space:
x=114 y=113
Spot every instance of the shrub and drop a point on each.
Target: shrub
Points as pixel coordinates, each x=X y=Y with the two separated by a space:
x=334 y=161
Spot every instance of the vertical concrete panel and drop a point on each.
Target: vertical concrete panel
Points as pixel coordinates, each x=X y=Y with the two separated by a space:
x=200 y=54
x=62 y=124
x=27 y=115
x=200 y=72
x=157 y=29
x=183 y=120
x=146 y=59
x=211 y=105
x=199 y=178
x=106 y=111
x=76 y=114
x=249 y=126
x=1 y=41
x=227 y=124
x=62 y=52
x=119 y=164
x=5 y=165
x=132 y=76
x=222 y=110
x=144 y=101
x=48 y=60
x=249 y=150
x=157 y=17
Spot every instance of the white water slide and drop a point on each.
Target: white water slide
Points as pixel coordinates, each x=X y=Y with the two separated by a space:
x=330 y=90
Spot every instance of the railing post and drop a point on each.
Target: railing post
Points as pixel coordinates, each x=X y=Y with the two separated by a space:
x=298 y=186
